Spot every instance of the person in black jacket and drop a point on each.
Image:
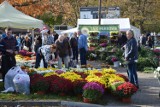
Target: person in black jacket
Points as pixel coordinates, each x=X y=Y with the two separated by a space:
x=9 y=48
x=131 y=57
x=63 y=51
x=74 y=46
x=27 y=43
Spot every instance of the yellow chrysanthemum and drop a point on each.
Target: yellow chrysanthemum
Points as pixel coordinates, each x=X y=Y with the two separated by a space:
x=93 y=71
x=109 y=70
x=71 y=76
x=50 y=74
x=94 y=78
x=115 y=78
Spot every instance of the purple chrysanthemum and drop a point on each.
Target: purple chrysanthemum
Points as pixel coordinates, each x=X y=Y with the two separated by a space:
x=93 y=86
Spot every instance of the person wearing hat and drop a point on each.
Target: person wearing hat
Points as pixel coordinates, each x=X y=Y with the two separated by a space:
x=45 y=52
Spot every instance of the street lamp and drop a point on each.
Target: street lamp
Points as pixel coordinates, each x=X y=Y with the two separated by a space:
x=100 y=6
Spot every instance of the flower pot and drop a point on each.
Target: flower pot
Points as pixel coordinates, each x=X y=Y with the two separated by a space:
x=87 y=100
x=116 y=64
x=41 y=92
x=126 y=100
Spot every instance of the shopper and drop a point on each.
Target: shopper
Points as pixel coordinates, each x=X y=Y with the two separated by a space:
x=74 y=46
x=45 y=52
x=9 y=48
x=63 y=51
x=131 y=57
x=82 y=46
x=27 y=43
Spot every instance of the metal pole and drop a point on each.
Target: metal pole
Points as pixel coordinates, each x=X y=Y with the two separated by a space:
x=100 y=6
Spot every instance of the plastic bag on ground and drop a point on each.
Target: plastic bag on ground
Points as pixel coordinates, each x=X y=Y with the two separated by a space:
x=41 y=64
x=22 y=83
x=8 y=82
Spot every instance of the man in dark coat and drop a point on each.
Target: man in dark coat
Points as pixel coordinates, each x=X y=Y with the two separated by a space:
x=131 y=56
x=9 y=48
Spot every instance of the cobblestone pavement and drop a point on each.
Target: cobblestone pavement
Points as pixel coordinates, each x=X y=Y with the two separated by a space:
x=147 y=95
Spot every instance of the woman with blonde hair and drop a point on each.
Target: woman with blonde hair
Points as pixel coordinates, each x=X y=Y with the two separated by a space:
x=26 y=43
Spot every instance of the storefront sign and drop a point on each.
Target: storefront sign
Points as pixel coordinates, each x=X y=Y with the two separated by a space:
x=99 y=28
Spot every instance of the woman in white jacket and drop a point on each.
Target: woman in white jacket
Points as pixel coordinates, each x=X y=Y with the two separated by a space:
x=45 y=52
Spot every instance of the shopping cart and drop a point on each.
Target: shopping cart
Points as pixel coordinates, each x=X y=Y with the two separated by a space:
x=157 y=75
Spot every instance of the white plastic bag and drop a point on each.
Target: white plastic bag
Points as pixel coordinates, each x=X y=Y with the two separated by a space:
x=22 y=83
x=8 y=82
x=41 y=64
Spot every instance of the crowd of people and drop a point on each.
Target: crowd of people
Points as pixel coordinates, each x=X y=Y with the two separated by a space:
x=49 y=47
x=146 y=40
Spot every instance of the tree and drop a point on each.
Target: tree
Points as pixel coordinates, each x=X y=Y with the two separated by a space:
x=144 y=14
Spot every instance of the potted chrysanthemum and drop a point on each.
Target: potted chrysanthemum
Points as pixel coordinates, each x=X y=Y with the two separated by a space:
x=92 y=91
x=125 y=91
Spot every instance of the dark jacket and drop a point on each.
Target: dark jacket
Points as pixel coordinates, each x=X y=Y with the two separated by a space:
x=63 y=48
x=74 y=42
x=56 y=37
x=27 y=44
x=8 y=43
x=131 y=50
x=122 y=40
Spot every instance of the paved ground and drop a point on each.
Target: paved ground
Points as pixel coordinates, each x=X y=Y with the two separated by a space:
x=148 y=95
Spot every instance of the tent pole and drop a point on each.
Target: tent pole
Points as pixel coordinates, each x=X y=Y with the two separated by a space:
x=32 y=40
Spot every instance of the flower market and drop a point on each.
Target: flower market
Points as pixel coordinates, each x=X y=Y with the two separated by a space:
x=75 y=54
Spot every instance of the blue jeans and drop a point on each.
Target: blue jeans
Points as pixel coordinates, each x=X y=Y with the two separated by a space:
x=38 y=60
x=83 y=56
x=132 y=74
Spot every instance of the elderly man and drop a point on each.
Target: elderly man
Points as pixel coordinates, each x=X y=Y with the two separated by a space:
x=82 y=46
x=131 y=56
x=63 y=51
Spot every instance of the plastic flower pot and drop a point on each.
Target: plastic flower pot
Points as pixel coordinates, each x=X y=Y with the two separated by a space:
x=87 y=100
x=126 y=100
x=116 y=64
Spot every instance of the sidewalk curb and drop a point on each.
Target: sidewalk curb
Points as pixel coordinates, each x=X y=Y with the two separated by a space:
x=43 y=103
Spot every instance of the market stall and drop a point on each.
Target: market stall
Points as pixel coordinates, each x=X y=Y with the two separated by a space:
x=11 y=17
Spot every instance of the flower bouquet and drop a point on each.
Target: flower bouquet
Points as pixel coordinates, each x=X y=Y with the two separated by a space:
x=125 y=91
x=92 y=92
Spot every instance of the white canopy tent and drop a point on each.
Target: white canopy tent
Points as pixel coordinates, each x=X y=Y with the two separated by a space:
x=70 y=30
x=137 y=32
x=124 y=23
x=11 y=17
